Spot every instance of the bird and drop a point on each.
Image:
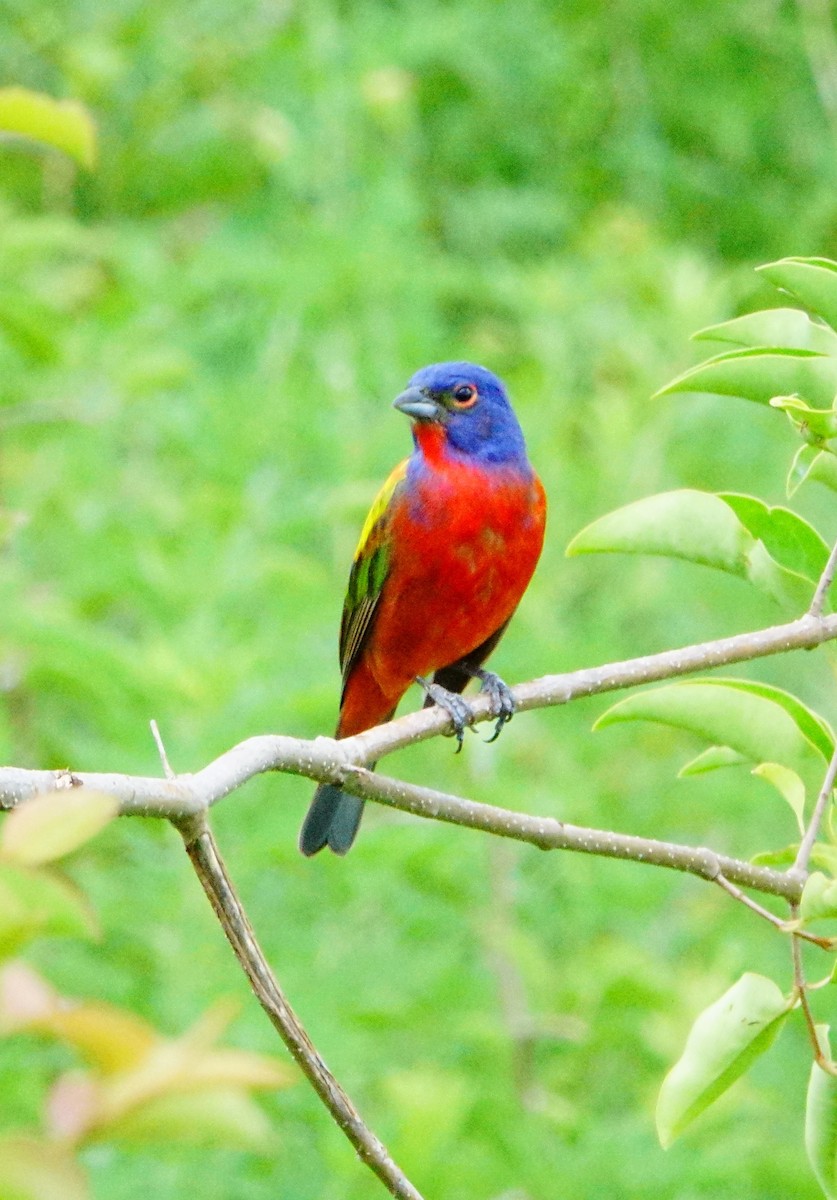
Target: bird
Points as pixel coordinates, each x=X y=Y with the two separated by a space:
x=445 y=554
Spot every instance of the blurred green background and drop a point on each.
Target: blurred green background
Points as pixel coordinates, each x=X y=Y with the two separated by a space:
x=296 y=206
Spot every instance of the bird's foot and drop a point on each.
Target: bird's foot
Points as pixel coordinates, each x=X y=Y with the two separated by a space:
x=458 y=710
x=503 y=706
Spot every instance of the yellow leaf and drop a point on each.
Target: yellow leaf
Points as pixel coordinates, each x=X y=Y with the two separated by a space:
x=239 y=1068
x=32 y=1169
x=65 y=125
x=51 y=826
x=111 y=1038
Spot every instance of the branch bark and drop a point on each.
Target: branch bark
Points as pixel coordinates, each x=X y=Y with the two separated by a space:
x=549 y=834
x=209 y=867
x=188 y=796
x=803 y=857
x=325 y=759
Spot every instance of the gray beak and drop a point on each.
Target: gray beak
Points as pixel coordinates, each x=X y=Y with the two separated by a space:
x=418 y=405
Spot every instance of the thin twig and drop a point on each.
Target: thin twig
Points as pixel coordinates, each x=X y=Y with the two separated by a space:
x=161 y=750
x=801 y=990
x=826 y=981
x=824 y=584
x=209 y=867
x=779 y=923
x=803 y=856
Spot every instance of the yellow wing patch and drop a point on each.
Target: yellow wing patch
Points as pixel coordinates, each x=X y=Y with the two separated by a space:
x=369 y=571
x=380 y=504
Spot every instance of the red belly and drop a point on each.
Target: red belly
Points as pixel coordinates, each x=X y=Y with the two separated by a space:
x=463 y=552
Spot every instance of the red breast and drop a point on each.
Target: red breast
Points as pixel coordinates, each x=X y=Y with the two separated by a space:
x=465 y=542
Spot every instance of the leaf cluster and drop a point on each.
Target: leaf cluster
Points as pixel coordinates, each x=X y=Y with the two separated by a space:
x=128 y=1084
x=787 y=359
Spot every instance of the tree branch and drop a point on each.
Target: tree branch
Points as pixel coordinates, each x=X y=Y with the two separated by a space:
x=325 y=759
x=800 y=866
x=825 y=581
x=185 y=800
x=801 y=988
x=549 y=834
x=779 y=923
x=209 y=867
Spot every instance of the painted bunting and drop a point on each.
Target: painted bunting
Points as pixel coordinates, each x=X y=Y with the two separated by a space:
x=445 y=554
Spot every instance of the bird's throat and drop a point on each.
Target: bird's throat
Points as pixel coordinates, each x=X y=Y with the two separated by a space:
x=432 y=440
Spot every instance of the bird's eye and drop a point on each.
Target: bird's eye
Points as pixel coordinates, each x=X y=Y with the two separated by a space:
x=464 y=395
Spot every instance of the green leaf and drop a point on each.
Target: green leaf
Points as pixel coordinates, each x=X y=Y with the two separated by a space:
x=819 y=897
x=821 y=1121
x=812 y=281
x=722 y=1044
x=772 y=548
x=760 y=722
x=779 y=327
x=760 y=374
x=695 y=526
x=51 y=826
x=35 y=1169
x=814 y=463
x=817 y=426
x=788 y=539
x=65 y=125
x=788 y=784
x=824 y=856
x=812 y=726
x=823 y=470
x=714 y=758
x=37 y=903
x=782 y=857
x=800 y=468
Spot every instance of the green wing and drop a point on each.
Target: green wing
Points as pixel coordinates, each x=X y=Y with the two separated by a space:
x=369 y=570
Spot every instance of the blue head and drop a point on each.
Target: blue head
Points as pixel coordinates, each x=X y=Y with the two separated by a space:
x=469 y=407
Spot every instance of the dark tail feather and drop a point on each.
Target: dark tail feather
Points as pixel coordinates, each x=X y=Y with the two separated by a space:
x=332 y=821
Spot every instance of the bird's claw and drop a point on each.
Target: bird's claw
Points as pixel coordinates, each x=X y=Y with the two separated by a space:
x=499 y=694
x=459 y=710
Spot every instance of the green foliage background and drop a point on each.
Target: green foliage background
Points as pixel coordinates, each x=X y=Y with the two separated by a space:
x=297 y=205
